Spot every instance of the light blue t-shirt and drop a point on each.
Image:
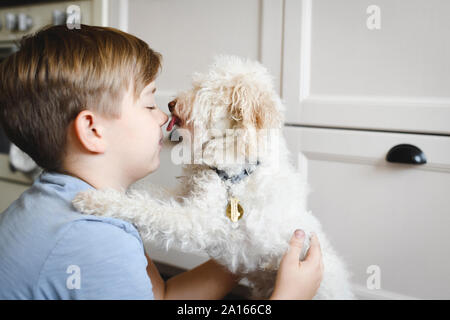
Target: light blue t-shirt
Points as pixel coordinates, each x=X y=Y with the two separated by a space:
x=48 y=250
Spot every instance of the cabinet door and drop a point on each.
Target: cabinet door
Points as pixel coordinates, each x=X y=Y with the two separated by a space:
x=395 y=217
x=368 y=64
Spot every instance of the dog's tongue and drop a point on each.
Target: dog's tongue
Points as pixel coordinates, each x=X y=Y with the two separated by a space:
x=171 y=123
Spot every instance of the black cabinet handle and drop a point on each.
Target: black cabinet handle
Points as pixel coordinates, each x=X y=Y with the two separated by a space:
x=406 y=153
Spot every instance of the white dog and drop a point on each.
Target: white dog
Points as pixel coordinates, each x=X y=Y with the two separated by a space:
x=241 y=200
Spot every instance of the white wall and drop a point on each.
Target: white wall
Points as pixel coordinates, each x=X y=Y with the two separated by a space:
x=190 y=33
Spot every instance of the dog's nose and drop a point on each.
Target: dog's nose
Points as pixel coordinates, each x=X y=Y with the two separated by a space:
x=172 y=105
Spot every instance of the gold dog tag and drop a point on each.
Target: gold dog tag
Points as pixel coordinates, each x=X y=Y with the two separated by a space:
x=234 y=210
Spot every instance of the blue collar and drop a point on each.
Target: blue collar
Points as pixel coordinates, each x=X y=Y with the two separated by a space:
x=236 y=178
x=65 y=185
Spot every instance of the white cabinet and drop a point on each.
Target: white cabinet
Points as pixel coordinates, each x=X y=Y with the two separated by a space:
x=379 y=69
x=340 y=71
x=394 y=216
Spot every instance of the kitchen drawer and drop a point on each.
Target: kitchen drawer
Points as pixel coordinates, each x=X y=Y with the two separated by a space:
x=394 y=216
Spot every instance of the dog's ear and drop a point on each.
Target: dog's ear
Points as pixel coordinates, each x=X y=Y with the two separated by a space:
x=255 y=105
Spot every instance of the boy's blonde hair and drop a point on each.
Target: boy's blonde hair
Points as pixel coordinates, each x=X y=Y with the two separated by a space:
x=57 y=73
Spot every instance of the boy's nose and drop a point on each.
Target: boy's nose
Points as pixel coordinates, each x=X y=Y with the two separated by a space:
x=172 y=105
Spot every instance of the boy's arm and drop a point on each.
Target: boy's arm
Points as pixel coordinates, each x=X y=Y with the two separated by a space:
x=207 y=281
x=158 y=284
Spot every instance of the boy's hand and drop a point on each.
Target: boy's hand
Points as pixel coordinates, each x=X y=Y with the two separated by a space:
x=299 y=279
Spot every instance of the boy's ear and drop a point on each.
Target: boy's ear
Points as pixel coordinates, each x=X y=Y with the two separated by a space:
x=90 y=132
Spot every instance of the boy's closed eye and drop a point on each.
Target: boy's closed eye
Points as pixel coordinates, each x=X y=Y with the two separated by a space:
x=151 y=108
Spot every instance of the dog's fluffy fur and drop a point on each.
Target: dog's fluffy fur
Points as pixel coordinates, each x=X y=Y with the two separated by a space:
x=234 y=94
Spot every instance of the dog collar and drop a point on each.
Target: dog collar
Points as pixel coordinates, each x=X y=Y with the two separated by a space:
x=248 y=170
x=234 y=211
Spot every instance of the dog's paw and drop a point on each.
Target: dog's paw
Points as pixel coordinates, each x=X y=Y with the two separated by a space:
x=95 y=202
x=85 y=203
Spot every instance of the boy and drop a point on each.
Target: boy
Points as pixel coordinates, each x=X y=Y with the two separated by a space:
x=81 y=104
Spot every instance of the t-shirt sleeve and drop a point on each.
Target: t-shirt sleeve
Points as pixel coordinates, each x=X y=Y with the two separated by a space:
x=96 y=260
